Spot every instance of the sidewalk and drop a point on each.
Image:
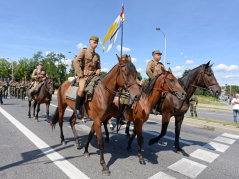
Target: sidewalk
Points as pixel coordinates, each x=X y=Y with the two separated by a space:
x=203 y=124
x=228 y=107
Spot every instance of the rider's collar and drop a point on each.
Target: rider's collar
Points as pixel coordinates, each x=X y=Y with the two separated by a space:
x=91 y=49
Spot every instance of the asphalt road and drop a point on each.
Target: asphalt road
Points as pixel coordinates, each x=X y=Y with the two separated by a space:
x=33 y=150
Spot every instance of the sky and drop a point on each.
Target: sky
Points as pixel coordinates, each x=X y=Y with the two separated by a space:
x=197 y=31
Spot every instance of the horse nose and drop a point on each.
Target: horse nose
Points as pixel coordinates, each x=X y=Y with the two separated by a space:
x=136 y=98
x=217 y=92
x=184 y=95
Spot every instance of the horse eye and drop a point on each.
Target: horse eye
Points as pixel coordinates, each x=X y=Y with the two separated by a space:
x=171 y=80
x=209 y=75
x=126 y=74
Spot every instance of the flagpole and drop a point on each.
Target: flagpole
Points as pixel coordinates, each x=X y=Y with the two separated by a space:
x=122 y=31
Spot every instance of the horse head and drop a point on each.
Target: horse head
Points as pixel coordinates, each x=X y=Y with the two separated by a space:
x=50 y=85
x=208 y=80
x=127 y=78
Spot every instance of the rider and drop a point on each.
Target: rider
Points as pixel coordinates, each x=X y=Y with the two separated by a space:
x=39 y=75
x=86 y=63
x=153 y=70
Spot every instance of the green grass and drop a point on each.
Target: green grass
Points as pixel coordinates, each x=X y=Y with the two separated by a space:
x=210 y=120
x=205 y=107
x=209 y=100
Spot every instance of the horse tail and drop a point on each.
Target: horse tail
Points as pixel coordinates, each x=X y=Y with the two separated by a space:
x=55 y=118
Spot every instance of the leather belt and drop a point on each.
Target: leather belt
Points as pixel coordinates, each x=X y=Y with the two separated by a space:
x=88 y=68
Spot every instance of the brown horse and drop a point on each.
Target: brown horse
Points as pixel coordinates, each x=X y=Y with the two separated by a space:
x=121 y=75
x=44 y=96
x=161 y=85
x=201 y=77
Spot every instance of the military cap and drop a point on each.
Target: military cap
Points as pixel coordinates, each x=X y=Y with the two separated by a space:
x=125 y=56
x=95 y=38
x=41 y=63
x=156 y=52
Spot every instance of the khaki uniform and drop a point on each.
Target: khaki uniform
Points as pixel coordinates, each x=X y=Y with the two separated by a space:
x=153 y=69
x=192 y=101
x=5 y=89
x=86 y=62
x=38 y=74
x=18 y=90
x=22 y=90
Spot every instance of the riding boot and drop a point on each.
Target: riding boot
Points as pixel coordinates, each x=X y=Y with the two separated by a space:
x=79 y=101
x=119 y=114
x=154 y=110
x=192 y=114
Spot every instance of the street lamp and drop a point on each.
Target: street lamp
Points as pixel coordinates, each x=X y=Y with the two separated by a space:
x=12 y=68
x=75 y=56
x=164 y=45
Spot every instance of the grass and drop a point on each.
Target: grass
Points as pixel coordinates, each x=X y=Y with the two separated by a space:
x=209 y=128
x=210 y=120
x=209 y=100
x=214 y=108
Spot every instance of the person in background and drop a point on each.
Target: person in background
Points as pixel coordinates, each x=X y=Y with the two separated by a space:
x=235 y=103
x=193 y=104
x=1 y=94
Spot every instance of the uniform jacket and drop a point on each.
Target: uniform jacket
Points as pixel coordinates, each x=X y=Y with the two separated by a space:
x=154 y=68
x=38 y=74
x=193 y=99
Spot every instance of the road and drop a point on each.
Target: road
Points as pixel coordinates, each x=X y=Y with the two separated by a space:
x=33 y=150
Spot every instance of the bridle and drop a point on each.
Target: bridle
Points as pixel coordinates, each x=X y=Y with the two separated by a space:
x=50 y=89
x=205 y=81
x=125 y=85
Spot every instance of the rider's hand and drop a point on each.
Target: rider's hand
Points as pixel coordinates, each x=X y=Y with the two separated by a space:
x=195 y=105
x=97 y=72
x=141 y=83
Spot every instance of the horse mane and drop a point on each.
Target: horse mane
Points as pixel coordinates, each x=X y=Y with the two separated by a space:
x=148 y=88
x=187 y=79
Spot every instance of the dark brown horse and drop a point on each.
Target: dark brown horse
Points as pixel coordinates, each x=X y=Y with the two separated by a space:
x=43 y=96
x=201 y=77
x=161 y=85
x=121 y=75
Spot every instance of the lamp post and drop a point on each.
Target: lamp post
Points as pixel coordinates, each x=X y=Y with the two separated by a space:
x=12 y=68
x=164 y=46
x=75 y=56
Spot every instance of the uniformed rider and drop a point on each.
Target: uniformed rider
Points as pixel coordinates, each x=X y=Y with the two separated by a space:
x=86 y=63
x=153 y=70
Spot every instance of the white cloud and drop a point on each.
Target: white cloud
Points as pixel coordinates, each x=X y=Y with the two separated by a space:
x=189 y=62
x=100 y=42
x=105 y=63
x=178 y=74
x=81 y=45
x=181 y=53
x=47 y=52
x=225 y=68
x=147 y=61
x=105 y=70
x=124 y=49
x=186 y=56
x=231 y=77
x=178 y=68
x=140 y=70
x=133 y=60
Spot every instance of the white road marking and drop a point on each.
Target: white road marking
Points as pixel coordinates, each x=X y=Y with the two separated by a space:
x=224 y=140
x=57 y=106
x=187 y=167
x=204 y=155
x=216 y=146
x=161 y=175
x=230 y=136
x=69 y=169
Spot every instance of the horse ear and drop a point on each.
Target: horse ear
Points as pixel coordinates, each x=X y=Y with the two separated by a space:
x=207 y=65
x=120 y=60
x=211 y=65
x=163 y=70
x=170 y=70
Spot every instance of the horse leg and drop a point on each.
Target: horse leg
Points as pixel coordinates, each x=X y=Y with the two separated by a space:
x=138 y=126
x=91 y=134
x=38 y=109
x=72 y=123
x=29 y=111
x=98 y=131
x=165 y=122
x=47 y=112
x=34 y=108
x=106 y=129
x=131 y=140
x=178 y=124
x=127 y=129
x=61 y=114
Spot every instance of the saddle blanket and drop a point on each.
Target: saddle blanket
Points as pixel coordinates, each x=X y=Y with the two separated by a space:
x=71 y=93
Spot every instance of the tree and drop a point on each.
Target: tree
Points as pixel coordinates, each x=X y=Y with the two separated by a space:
x=186 y=72
x=145 y=80
x=103 y=74
x=139 y=76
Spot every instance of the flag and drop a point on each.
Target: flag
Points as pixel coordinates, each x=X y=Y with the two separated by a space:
x=113 y=31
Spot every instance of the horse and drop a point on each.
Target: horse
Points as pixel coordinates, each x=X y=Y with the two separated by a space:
x=43 y=96
x=161 y=85
x=122 y=75
x=200 y=77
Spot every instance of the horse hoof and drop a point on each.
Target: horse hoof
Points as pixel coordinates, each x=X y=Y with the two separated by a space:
x=180 y=152
x=129 y=149
x=107 y=139
x=111 y=128
x=77 y=146
x=86 y=154
x=64 y=143
x=106 y=172
x=49 y=124
x=127 y=136
x=142 y=162
x=29 y=116
x=36 y=120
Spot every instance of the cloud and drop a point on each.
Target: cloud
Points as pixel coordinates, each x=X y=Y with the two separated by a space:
x=81 y=45
x=140 y=70
x=178 y=74
x=186 y=56
x=225 y=68
x=47 y=52
x=147 y=61
x=100 y=42
x=105 y=63
x=133 y=60
x=105 y=70
x=231 y=77
x=178 y=68
x=181 y=53
x=124 y=49
x=188 y=62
